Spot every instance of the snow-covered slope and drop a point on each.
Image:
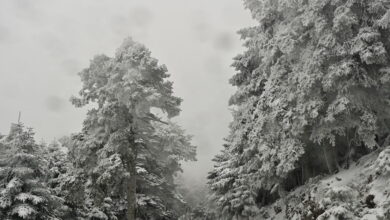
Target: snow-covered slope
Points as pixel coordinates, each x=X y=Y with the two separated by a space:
x=360 y=192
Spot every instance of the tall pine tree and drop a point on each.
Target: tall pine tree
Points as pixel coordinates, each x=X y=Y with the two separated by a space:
x=121 y=132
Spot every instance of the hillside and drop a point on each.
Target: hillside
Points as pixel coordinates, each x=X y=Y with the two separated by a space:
x=360 y=192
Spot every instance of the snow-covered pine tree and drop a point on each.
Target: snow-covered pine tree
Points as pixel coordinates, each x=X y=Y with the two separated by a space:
x=223 y=182
x=157 y=166
x=313 y=89
x=24 y=193
x=231 y=186
x=60 y=172
x=58 y=164
x=66 y=181
x=121 y=141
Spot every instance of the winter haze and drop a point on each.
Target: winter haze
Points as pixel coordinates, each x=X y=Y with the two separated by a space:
x=44 y=44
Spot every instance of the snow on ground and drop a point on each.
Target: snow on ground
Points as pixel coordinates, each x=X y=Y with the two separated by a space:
x=360 y=192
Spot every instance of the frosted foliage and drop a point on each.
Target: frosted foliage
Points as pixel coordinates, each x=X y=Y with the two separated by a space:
x=97 y=214
x=124 y=142
x=382 y=164
x=23 y=197
x=338 y=212
x=341 y=193
x=23 y=190
x=24 y=211
x=314 y=77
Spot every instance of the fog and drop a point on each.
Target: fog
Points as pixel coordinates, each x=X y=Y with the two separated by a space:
x=45 y=43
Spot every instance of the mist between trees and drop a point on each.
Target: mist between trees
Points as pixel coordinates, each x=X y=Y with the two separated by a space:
x=312 y=101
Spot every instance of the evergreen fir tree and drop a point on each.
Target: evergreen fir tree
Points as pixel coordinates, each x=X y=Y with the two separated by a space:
x=59 y=174
x=312 y=89
x=24 y=193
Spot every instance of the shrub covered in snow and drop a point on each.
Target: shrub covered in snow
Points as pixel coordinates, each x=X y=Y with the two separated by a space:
x=337 y=212
x=382 y=164
x=342 y=194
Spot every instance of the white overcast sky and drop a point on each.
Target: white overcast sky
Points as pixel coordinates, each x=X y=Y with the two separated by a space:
x=45 y=43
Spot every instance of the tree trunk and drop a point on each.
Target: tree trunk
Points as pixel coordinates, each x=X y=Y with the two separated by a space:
x=327 y=160
x=131 y=190
x=305 y=169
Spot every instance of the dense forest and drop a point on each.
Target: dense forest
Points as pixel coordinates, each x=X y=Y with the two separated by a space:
x=309 y=139
x=312 y=97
